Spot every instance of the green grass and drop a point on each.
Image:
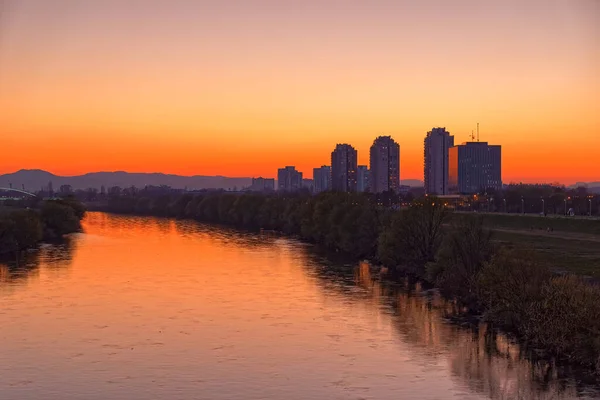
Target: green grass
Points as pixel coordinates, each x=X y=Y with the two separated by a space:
x=581 y=257
x=580 y=225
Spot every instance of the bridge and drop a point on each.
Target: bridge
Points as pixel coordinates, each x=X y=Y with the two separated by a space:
x=3 y=189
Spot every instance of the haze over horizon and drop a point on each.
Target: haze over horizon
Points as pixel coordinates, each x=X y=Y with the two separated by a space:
x=241 y=89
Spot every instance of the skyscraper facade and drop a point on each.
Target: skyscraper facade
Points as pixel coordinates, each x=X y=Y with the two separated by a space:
x=322 y=179
x=362 y=179
x=437 y=143
x=308 y=184
x=474 y=167
x=385 y=165
x=288 y=179
x=344 y=168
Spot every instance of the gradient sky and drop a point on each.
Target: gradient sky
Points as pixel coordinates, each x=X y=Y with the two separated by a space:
x=241 y=88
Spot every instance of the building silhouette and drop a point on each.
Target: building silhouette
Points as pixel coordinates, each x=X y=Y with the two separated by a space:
x=66 y=189
x=308 y=184
x=261 y=184
x=436 y=146
x=343 y=168
x=385 y=165
x=474 y=167
x=322 y=179
x=362 y=179
x=288 y=179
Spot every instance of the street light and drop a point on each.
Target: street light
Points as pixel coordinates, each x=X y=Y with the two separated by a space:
x=565 y=206
x=590 y=201
x=522 y=205
x=504 y=205
x=543 y=206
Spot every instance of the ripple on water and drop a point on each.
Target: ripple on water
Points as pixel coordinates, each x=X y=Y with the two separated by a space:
x=140 y=308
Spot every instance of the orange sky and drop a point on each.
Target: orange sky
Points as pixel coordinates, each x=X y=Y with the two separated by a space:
x=242 y=88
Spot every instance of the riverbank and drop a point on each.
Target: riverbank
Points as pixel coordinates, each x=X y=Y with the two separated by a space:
x=24 y=228
x=510 y=288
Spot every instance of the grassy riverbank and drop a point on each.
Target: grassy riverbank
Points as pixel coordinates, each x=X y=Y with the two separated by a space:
x=565 y=244
x=24 y=228
x=535 y=222
x=513 y=289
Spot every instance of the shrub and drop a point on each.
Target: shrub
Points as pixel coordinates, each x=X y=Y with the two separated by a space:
x=59 y=219
x=460 y=261
x=508 y=285
x=19 y=229
x=28 y=226
x=565 y=320
x=73 y=203
x=8 y=242
x=413 y=237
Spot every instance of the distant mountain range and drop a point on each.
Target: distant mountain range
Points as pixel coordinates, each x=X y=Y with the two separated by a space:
x=412 y=182
x=592 y=187
x=587 y=184
x=35 y=179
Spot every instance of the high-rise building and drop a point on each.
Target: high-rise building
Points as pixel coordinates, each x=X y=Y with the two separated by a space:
x=322 y=179
x=385 y=165
x=437 y=143
x=474 y=167
x=288 y=179
x=308 y=184
x=343 y=168
x=262 y=184
x=362 y=180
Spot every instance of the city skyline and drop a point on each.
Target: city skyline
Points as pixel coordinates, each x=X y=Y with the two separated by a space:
x=217 y=88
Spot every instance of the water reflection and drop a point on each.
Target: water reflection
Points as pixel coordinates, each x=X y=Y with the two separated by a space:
x=56 y=260
x=486 y=361
x=141 y=308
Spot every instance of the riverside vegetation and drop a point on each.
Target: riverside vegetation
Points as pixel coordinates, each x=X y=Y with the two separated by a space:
x=24 y=228
x=558 y=315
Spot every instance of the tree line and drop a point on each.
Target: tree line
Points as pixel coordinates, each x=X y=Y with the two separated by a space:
x=24 y=228
x=558 y=314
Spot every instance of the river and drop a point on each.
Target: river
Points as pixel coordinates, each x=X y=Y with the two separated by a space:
x=145 y=308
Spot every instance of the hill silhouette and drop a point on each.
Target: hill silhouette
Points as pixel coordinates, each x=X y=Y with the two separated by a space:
x=36 y=179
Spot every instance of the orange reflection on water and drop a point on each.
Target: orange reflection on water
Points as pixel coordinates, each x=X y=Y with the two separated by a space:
x=145 y=307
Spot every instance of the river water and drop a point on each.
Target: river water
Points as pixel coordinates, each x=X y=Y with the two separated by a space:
x=145 y=308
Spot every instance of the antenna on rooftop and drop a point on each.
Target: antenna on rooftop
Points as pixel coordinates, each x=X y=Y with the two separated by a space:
x=478 y=131
x=472 y=136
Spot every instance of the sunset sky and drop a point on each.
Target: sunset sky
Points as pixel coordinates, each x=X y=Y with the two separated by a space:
x=240 y=88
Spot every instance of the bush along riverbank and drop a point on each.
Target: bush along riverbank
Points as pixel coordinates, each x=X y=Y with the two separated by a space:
x=557 y=315
x=22 y=229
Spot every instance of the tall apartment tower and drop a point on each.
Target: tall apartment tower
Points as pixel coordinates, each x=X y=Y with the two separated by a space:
x=343 y=168
x=474 y=167
x=437 y=144
x=362 y=178
x=288 y=179
x=385 y=165
x=322 y=179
